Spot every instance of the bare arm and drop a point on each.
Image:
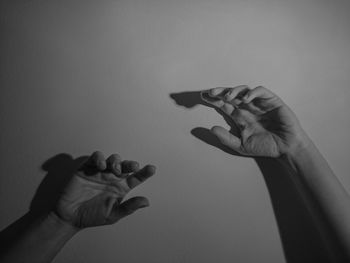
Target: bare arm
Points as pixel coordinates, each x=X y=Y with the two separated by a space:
x=266 y=127
x=93 y=197
x=327 y=200
x=40 y=241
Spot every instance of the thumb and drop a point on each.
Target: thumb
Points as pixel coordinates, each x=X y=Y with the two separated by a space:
x=227 y=138
x=131 y=205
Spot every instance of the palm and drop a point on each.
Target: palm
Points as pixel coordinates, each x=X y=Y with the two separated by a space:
x=94 y=196
x=264 y=128
x=89 y=201
x=262 y=124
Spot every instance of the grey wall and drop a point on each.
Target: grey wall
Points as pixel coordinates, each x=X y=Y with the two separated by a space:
x=77 y=76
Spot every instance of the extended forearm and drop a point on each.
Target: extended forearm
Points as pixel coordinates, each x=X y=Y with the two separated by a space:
x=326 y=198
x=42 y=239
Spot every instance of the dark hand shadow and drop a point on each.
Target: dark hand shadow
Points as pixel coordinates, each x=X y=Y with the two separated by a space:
x=300 y=238
x=191 y=99
x=59 y=170
x=188 y=99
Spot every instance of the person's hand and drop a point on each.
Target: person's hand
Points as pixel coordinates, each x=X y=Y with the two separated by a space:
x=94 y=196
x=266 y=126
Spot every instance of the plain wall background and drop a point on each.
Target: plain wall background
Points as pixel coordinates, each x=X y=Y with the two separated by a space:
x=79 y=76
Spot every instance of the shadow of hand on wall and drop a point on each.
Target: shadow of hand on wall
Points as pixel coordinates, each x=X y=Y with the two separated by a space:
x=191 y=99
x=188 y=99
x=300 y=239
x=59 y=170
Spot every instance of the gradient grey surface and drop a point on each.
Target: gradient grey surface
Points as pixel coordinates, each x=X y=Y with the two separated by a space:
x=79 y=76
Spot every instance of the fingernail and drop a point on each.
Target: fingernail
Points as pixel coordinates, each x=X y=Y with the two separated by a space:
x=117 y=169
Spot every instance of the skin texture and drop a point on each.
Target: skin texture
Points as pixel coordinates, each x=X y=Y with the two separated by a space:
x=268 y=128
x=93 y=197
x=95 y=193
x=266 y=125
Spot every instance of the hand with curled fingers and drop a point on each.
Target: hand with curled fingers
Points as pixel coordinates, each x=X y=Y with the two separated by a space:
x=94 y=196
x=266 y=126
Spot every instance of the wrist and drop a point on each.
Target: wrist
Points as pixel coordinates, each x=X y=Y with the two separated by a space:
x=298 y=152
x=302 y=143
x=55 y=222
